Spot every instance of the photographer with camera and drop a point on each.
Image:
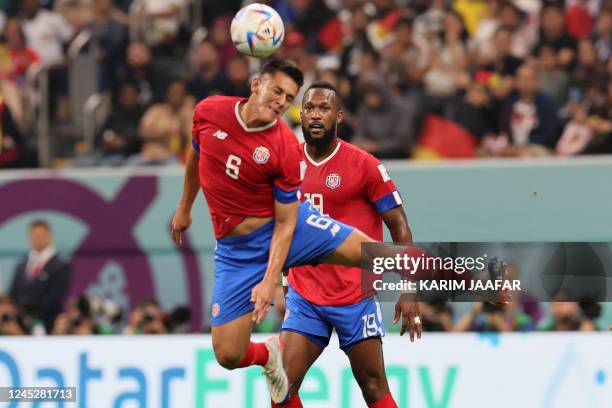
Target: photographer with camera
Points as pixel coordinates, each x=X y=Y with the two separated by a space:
x=147 y=318
x=11 y=322
x=570 y=316
x=487 y=317
x=76 y=320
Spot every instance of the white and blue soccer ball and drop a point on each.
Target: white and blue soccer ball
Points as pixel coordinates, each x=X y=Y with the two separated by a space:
x=257 y=30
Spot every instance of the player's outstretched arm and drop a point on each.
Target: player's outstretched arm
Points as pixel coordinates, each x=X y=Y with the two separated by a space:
x=406 y=307
x=182 y=216
x=285 y=217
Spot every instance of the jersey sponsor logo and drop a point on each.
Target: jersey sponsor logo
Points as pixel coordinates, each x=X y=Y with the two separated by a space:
x=219 y=134
x=215 y=310
x=333 y=180
x=261 y=155
x=383 y=173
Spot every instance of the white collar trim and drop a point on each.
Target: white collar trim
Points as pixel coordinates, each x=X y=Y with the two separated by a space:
x=325 y=160
x=244 y=126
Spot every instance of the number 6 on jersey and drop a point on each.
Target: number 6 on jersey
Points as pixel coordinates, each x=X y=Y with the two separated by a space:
x=232 y=166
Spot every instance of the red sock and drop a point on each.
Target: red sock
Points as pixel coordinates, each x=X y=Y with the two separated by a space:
x=256 y=354
x=293 y=402
x=386 y=402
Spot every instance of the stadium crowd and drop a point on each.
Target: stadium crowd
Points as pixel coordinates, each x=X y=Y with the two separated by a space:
x=419 y=79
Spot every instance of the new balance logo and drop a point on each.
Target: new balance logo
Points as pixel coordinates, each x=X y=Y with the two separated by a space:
x=219 y=134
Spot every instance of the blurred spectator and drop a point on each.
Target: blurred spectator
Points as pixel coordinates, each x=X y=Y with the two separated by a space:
x=591 y=311
x=553 y=35
x=506 y=14
x=76 y=320
x=209 y=77
x=487 y=317
x=220 y=38
x=448 y=70
x=118 y=137
x=565 y=316
x=407 y=57
x=14 y=152
x=385 y=125
x=165 y=129
x=306 y=16
x=577 y=134
x=238 y=75
x=147 y=318
x=475 y=112
x=158 y=22
x=579 y=20
x=529 y=118
x=356 y=42
x=11 y=321
x=77 y=12
x=386 y=15
x=602 y=35
x=110 y=38
x=437 y=317
x=589 y=74
x=429 y=24
x=349 y=101
x=295 y=50
x=42 y=278
x=554 y=81
x=17 y=57
x=140 y=70
x=47 y=32
x=500 y=61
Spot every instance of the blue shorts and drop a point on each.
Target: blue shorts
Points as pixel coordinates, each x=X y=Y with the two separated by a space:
x=353 y=323
x=240 y=262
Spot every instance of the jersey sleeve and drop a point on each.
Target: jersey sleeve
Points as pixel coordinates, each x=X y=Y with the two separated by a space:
x=378 y=188
x=290 y=172
x=198 y=122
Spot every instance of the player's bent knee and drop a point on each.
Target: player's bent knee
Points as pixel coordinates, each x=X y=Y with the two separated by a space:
x=227 y=358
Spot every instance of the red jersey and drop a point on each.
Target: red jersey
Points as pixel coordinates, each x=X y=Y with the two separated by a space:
x=242 y=170
x=353 y=187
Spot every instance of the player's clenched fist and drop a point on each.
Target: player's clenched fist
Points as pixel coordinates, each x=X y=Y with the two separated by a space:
x=180 y=222
x=262 y=297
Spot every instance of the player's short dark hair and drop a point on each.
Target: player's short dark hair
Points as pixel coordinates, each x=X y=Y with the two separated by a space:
x=324 y=85
x=286 y=68
x=39 y=222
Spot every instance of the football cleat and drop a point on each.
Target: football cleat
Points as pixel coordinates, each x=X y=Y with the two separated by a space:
x=276 y=378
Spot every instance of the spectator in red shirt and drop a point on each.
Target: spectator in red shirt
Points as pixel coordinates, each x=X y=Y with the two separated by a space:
x=20 y=56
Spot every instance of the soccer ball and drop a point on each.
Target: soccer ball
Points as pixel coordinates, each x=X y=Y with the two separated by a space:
x=257 y=30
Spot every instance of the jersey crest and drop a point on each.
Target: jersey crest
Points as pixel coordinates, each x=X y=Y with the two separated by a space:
x=261 y=155
x=333 y=180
